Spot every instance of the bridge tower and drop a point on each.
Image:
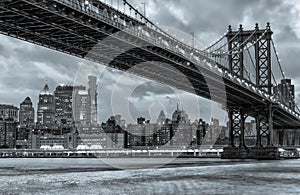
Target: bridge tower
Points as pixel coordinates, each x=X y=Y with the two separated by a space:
x=237 y=43
x=238 y=40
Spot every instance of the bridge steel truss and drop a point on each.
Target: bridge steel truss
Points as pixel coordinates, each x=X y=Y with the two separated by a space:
x=69 y=27
x=263 y=115
x=262 y=40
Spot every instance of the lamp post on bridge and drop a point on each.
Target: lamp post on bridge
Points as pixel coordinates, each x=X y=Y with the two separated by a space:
x=193 y=41
x=143 y=3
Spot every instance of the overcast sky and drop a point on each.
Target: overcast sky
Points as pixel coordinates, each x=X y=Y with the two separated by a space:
x=25 y=67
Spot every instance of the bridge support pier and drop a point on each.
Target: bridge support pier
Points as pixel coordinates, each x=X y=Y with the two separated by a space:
x=236 y=148
x=264 y=148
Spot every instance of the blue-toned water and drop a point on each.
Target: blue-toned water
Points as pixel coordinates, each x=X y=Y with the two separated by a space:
x=183 y=176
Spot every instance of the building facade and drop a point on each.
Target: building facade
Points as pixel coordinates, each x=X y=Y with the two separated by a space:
x=8 y=129
x=285 y=92
x=92 y=91
x=8 y=112
x=8 y=126
x=46 y=108
x=81 y=105
x=26 y=114
x=85 y=104
x=65 y=108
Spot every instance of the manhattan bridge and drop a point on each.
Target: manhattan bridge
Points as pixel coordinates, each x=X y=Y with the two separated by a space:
x=243 y=64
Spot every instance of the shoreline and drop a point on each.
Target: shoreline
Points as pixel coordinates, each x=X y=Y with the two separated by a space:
x=57 y=165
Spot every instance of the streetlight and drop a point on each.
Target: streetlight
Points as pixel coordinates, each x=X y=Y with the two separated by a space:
x=193 y=35
x=143 y=3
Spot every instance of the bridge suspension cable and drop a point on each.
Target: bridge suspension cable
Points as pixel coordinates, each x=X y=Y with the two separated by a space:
x=278 y=60
x=215 y=43
x=233 y=51
x=222 y=46
x=252 y=62
x=282 y=98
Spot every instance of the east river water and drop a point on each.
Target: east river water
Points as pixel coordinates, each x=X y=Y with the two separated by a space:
x=182 y=176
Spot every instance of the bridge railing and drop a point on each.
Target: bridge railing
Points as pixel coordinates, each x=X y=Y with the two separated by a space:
x=143 y=28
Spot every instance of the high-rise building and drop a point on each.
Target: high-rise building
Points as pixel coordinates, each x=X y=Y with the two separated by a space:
x=8 y=126
x=63 y=96
x=143 y=133
x=201 y=129
x=8 y=129
x=179 y=116
x=26 y=114
x=161 y=118
x=46 y=108
x=181 y=130
x=285 y=92
x=8 y=112
x=81 y=105
x=85 y=103
x=92 y=91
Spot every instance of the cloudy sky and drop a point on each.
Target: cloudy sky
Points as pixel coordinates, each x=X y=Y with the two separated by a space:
x=26 y=67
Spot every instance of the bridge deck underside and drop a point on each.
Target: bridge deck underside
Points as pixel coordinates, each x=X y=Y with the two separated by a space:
x=72 y=31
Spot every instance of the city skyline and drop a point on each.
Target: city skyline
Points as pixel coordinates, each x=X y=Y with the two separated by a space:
x=149 y=97
x=32 y=65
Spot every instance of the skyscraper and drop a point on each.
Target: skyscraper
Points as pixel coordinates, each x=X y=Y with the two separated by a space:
x=63 y=96
x=81 y=105
x=46 y=108
x=8 y=112
x=285 y=92
x=85 y=103
x=179 y=116
x=26 y=114
x=8 y=126
x=8 y=129
x=161 y=118
x=92 y=91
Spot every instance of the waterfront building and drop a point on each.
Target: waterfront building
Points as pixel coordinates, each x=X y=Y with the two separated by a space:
x=8 y=128
x=49 y=140
x=162 y=134
x=45 y=136
x=142 y=134
x=23 y=136
x=181 y=135
x=96 y=137
x=178 y=132
x=26 y=114
x=214 y=129
x=201 y=129
x=46 y=108
x=216 y=133
x=115 y=132
x=26 y=124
